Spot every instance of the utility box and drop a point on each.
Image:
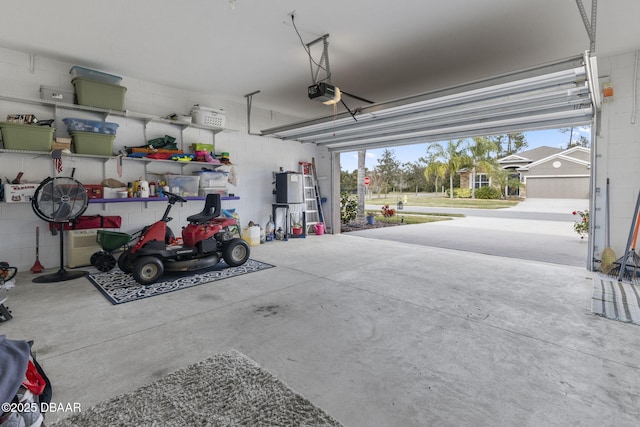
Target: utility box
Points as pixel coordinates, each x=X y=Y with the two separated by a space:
x=289 y=187
x=81 y=245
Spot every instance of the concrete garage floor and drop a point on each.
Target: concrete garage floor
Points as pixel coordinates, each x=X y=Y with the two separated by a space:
x=377 y=333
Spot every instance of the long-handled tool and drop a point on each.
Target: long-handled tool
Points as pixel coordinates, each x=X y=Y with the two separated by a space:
x=37 y=267
x=608 y=255
x=629 y=265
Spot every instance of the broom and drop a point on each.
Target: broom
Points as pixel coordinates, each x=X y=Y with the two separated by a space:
x=37 y=267
x=608 y=255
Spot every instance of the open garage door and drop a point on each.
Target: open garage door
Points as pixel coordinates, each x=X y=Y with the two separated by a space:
x=551 y=96
x=562 y=94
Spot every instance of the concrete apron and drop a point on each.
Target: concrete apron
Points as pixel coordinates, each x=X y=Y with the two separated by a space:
x=548 y=241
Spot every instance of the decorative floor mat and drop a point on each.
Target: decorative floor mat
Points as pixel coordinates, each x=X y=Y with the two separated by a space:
x=228 y=389
x=616 y=300
x=119 y=287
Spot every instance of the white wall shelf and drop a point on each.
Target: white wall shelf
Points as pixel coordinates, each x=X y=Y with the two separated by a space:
x=147 y=118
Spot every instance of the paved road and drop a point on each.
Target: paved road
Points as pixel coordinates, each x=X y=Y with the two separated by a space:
x=537 y=209
x=537 y=230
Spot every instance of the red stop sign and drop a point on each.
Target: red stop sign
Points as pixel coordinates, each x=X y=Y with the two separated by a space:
x=366 y=180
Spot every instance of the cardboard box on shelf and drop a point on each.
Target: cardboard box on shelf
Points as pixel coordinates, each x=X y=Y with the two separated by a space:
x=61 y=144
x=19 y=193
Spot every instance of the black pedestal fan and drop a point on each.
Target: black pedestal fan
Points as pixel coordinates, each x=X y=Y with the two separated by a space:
x=60 y=200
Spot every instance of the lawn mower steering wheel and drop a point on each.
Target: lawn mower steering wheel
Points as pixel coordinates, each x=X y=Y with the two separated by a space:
x=173 y=198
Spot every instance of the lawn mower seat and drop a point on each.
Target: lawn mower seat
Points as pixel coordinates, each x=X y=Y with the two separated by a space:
x=210 y=211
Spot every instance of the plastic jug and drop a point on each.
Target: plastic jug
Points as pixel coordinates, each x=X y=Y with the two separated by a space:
x=251 y=235
x=143 y=189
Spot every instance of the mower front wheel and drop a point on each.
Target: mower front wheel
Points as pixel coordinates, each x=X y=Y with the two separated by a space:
x=147 y=270
x=235 y=252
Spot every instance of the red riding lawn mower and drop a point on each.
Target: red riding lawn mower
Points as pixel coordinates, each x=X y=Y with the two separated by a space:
x=205 y=240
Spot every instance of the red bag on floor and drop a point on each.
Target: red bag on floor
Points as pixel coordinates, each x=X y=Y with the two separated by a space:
x=33 y=380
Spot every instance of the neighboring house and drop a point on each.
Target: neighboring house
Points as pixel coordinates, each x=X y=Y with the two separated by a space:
x=516 y=161
x=564 y=175
x=482 y=179
x=546 y=172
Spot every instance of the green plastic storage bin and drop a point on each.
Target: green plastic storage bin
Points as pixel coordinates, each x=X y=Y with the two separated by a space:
x=17 y=136
x=98 y=94
x=98 y=144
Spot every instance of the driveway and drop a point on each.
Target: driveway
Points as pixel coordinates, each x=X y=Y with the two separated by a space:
x=535 y=229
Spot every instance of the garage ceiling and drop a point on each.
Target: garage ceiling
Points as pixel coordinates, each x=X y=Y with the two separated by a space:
x=378 y=50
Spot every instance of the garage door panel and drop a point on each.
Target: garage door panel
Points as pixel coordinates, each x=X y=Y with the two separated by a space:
x=551 y=96
x=557 y=187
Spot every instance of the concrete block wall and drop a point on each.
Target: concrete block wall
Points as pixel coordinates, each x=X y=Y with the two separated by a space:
x=617 y=152
x=255 y=158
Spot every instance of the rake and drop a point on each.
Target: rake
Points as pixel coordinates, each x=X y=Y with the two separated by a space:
x=628 y=267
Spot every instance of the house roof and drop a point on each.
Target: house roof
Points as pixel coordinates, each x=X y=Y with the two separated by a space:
x=530 y=156
x=564 y=155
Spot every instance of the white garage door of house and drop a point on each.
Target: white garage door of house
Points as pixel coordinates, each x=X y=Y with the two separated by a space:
x=557 y=187
x=550 y=96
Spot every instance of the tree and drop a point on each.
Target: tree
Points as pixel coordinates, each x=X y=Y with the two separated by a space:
x=348 y=181
x=452 y=155
x=436 y=170
x=505 y=180
x=388 y=169
x=375 y=181
x=414 y=176
x=481 y=152
x=570 y=132
x=510 y=143
x=582 y=141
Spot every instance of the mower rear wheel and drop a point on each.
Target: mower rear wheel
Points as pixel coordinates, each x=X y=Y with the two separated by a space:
x=147 y=270
x=125 y=262
x=104 y=262
x=235 y=252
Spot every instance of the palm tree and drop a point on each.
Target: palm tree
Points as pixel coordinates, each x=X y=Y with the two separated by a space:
x=480 y=157
x=451 y=155
x=506 y=180
x=435 y=169
x=362 y=154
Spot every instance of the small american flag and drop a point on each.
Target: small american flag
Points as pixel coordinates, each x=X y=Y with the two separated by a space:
x=56 y=155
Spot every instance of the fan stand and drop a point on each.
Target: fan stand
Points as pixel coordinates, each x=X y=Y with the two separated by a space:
x=61 y=275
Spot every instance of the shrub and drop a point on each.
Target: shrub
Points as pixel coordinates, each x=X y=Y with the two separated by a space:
x=348 y=207
x=581 y=226
x=462 y=193
x=488 y=193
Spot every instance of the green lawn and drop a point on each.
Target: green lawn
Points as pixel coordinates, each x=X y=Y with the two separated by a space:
x=416 y=218
x=440 y=201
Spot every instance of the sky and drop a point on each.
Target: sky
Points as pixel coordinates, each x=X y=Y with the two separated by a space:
x=411 y=153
